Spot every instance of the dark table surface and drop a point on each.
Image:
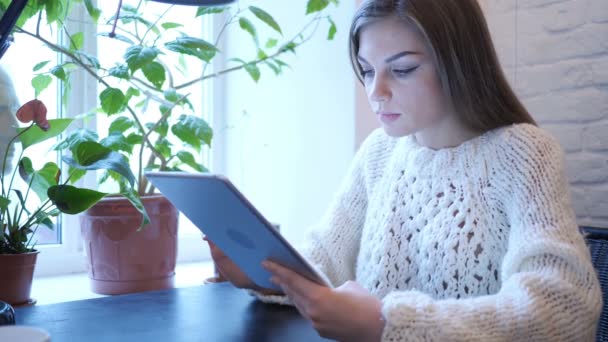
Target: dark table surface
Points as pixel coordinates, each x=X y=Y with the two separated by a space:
x=214 y=312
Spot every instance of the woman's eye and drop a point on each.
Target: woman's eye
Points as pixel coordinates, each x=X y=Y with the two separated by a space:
x=404 y=72
x=367 y=73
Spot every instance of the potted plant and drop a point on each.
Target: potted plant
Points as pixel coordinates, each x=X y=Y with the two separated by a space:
x=153 y=121
x=20 y=217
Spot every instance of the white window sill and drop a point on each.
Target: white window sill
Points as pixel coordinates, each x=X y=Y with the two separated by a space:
x=65 y=288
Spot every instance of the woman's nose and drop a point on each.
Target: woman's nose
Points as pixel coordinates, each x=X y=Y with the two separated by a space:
x=379 y=90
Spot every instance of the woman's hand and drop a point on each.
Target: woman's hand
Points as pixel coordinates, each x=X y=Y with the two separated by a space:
x=232 y=272
x=346 y=313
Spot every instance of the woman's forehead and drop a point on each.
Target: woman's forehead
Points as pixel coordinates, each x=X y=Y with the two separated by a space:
x=388 y=37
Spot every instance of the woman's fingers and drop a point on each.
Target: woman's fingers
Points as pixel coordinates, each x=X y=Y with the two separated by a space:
x=297 y=284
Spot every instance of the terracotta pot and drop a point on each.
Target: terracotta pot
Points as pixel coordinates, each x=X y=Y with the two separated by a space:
x=17 y=272
x=124 y=260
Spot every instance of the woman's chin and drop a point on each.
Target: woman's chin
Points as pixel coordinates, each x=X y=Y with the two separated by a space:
x=396 y=132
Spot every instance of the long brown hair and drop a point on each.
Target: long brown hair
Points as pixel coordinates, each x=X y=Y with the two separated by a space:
x=464 y=56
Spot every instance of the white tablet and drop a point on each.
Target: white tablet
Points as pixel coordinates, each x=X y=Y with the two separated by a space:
x=228 y=219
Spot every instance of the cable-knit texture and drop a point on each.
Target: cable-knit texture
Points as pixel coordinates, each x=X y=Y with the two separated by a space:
x=473 y=243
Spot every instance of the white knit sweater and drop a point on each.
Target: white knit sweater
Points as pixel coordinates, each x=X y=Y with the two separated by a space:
x=473 y=243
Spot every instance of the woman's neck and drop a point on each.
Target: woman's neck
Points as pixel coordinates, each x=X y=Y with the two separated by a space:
x=446 y=133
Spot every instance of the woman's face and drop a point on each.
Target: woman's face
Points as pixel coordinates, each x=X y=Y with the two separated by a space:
x=400 y=78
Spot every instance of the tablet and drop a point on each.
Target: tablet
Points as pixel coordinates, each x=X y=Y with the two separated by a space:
x=227 y=218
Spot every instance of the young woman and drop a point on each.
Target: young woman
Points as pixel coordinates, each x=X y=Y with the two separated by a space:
x=454 y=222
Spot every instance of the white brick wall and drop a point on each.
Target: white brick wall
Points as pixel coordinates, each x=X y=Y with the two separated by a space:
x=555 y=53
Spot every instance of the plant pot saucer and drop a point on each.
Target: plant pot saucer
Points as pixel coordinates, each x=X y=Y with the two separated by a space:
x=29 y=302
x=213 y=280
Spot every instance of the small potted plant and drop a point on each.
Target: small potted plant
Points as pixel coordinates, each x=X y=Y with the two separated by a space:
x=20 y=217
x=153 y=121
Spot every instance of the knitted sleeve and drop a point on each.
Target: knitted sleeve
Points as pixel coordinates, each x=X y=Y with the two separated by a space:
x=549 y=288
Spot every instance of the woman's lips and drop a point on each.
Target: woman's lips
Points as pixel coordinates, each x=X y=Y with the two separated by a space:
x=388 y=117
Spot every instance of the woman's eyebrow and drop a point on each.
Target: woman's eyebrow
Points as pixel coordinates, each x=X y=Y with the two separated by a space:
x=399 y=55
x=391 y=58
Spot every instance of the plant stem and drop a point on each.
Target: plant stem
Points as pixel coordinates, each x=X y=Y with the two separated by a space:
x=156 y=22
x=27 y=193
x=259 y=60
x=113 y=32
x=143 y=184
x=8 y=146
x=40 y=209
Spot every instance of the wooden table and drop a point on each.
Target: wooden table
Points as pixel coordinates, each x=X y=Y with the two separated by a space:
x=214 y=312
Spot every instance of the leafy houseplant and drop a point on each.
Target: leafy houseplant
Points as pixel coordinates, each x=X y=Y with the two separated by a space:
x=147 y=94
x=19 y=217
x=153 y=119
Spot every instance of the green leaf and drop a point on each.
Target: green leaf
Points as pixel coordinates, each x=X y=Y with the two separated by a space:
x=117 y=36
x=43 y=218
x=138 y=56
x=271 y=43
x=112 y=100
x=128 y=18
x=129 y=8
x=4 y=203
x=117 y=142
x=34 y=134
x=32 y=8
x=168 y=26
x=332 y=29
x=203 y=10
x=75 y=138
x=291 y=46
x=266 y=18
x=133 y=197
x=72 y=200
x=253 y=71
x=93 y=61
x=161 y=129
x=171 y=95
x=192 y=130
x=120 y=71
x=94 y=156
x=41 y=82
x=92 y=10
x=247 y=25
x=163 y=146
x=76 y=41
x=188 y=159
x=275 y=69
x=121 y=124
x=281 y=63
x=76 y=174
x=132 y=92
x=40 y=180
x=316 y=6
x=40 y=65
x=155 y=73
x=59 y=72
x=262 y=54
x=196 y=47
x=52 y=10
x=134 y=139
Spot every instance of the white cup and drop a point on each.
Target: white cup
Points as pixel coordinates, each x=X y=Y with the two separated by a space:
x=21 y=333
